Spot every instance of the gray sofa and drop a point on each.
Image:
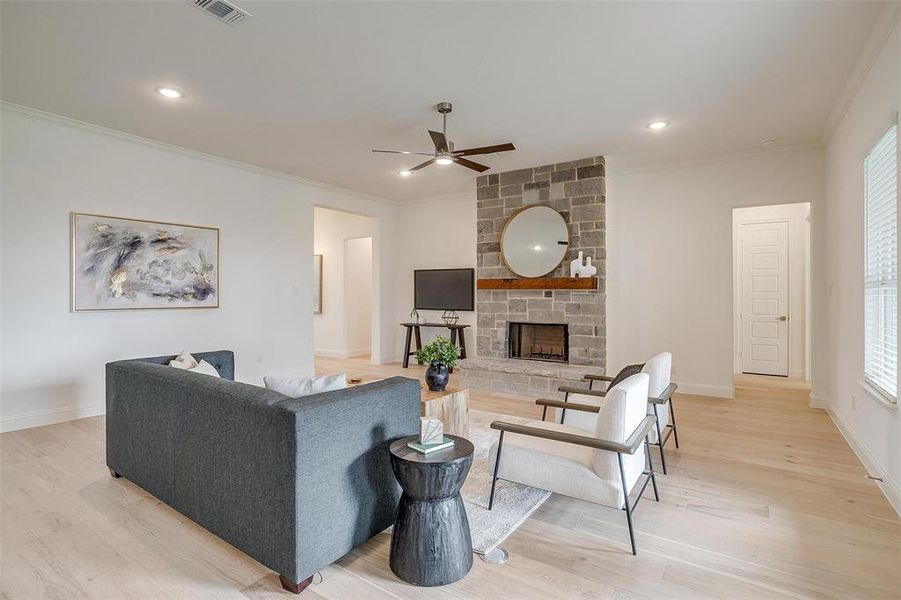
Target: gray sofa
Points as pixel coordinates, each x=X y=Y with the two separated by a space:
x=294 y=483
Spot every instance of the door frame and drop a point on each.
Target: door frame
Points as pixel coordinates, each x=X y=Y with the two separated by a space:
x=738 y=272
x=800 y=281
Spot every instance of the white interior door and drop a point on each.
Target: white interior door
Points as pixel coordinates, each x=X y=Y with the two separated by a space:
x=764 y=297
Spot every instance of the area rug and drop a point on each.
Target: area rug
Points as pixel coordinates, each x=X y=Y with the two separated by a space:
x=513 y=502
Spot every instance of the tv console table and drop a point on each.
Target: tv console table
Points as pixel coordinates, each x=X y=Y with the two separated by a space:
x=415 y=328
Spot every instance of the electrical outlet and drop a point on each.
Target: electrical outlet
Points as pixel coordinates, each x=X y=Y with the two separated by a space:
x=853 y=401
x=259 y=358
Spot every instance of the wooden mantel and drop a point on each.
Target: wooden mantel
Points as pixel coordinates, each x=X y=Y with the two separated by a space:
x=539 y=283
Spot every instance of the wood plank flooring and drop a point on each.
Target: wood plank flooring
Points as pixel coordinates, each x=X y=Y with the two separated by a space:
x=763 y=500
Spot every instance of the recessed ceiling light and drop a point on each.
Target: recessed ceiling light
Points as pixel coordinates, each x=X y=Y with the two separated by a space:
x=405 y=173
x=658 y=125
x=405 y=152
x=768 y=142
x=443 y=160
x=169 y=92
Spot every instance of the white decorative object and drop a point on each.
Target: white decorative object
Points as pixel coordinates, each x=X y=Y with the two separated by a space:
x=577 y=269
x=431 y=430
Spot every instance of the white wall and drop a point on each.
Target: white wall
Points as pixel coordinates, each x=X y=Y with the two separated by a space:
x=872 y=427
x=53 y=359
x=358 y=304
x=799 y=255
x=434 y=234
x=331 y=231
x=669 y=264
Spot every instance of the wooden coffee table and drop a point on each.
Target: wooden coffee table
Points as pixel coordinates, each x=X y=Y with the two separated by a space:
x=451 y=406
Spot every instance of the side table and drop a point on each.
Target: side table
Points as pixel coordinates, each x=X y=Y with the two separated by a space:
x=431 y=543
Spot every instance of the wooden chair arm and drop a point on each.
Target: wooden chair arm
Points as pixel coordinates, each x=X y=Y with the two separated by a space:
x=568 y=405
x=628 y=447
x=569 y=389
x=597 y=378
x=665 y=396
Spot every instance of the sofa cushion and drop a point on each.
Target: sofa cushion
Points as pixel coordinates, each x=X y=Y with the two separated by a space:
x=298 y=387
x=183 y=361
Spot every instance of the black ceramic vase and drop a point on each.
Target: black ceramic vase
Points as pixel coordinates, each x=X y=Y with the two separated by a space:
x=436 y=376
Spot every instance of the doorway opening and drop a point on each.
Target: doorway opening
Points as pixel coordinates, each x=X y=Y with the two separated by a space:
x=771 y=290
x=343 y=328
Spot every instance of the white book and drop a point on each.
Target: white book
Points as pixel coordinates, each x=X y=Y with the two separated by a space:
x=429 y=448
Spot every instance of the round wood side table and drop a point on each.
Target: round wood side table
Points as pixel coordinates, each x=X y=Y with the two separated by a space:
x=430 y=543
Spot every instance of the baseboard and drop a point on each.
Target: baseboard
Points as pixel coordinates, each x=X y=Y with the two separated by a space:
x=49 y=417
x=341 y=353
x=703 y=389
x=889 y=487
x=798 y=374
x=821 y=402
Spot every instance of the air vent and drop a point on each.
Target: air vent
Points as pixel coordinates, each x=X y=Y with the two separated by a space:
x=224 y=11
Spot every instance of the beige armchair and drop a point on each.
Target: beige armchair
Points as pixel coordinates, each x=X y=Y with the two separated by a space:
x=660 y=401
x=601 y=467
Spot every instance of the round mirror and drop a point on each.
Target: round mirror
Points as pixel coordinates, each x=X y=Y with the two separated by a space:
x=534 y=241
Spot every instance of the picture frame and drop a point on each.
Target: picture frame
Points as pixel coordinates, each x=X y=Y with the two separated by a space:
x=119 y=263
x=317 y=284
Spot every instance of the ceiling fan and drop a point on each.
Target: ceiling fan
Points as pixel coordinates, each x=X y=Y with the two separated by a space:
x=444 y=153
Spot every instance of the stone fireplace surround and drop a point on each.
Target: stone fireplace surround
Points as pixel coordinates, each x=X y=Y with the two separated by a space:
x=576 y=190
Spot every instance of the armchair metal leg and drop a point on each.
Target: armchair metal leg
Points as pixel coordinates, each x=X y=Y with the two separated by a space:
x=563 y=411
x=497 y=463
x=672 y=419
x=660 y=440
x=647 y=449
x=626 y=507
x=544 y=414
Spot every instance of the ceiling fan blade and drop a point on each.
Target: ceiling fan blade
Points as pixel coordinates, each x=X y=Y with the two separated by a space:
x=485 y=150
x=425 y=164
x=439 y=140
x=470 y=165
x=404 y=152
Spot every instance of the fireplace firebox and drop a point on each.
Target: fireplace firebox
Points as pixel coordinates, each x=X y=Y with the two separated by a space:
x=539 y=341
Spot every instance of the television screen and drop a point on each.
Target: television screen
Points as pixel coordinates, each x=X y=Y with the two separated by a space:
x=444 y=289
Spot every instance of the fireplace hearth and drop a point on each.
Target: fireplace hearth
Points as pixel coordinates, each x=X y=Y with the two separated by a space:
x=539 y=341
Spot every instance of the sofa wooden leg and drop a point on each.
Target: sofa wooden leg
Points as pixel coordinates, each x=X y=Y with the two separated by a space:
x=114 y=474
x=295 y=588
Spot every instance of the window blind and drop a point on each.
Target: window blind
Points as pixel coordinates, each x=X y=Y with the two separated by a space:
x=881 y=265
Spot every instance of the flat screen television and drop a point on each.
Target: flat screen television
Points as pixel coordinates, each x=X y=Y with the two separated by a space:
x=444 y=289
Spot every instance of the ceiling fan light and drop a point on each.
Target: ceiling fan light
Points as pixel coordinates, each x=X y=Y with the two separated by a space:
x=168 y=92
x=658 y=125
x=405 y=173
x=443 y=160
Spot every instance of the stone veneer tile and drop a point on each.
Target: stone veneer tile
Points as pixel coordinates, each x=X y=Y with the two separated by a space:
x=576 y=190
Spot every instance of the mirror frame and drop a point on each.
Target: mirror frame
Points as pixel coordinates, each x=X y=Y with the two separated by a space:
x=504 y=231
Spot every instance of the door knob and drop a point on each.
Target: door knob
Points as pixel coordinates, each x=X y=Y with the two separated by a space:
x=783 y=318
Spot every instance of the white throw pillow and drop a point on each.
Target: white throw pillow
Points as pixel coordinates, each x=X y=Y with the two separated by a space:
x=183 y=361
x=297 y=387
x=206 y=368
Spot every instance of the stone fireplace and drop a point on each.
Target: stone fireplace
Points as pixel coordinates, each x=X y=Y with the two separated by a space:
x=577 y=191
x=538 y=341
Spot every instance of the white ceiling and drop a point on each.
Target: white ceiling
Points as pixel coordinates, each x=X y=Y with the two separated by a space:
x=308 y=88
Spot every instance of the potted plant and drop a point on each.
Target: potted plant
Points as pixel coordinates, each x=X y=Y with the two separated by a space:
x=441 y=355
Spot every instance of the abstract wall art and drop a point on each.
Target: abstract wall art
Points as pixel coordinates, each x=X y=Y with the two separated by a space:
x=317 y=284
x=121 y=264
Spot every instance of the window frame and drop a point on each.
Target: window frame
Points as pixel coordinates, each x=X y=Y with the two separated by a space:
x=872 y=387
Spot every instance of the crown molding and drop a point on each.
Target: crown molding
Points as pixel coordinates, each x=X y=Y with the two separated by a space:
x=83 y=125
x=471 y=195
x=709 y=160
x=885 y=26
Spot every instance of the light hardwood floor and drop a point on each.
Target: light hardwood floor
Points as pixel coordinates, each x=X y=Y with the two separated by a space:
x=764 y=500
